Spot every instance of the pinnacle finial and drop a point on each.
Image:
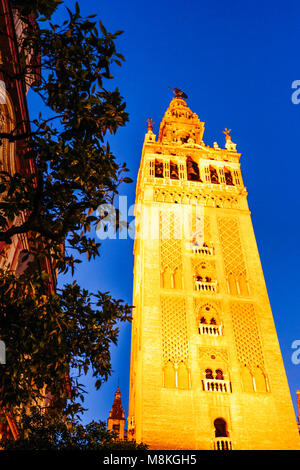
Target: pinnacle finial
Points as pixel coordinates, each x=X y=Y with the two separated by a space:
x=150 y=124
x=227 y=132
x=229 y=145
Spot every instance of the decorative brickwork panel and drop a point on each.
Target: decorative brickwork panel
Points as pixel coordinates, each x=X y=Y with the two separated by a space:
x=207 y=229
x=194 y=198
x=247 y=337
x=170 y=240
x=229 y=233
x=174 y=330
x=201 y=231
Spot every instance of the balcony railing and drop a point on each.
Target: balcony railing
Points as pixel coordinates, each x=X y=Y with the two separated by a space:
x=222 y=443
x=210 y=330
x=216 y=385
x=203 y=250
x=206 y=286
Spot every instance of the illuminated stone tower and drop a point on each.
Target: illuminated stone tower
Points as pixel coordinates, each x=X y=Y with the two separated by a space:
x=206 y=367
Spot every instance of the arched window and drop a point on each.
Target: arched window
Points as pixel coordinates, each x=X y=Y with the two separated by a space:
x=208 y=315
x=213 y=175
x=174 y=171
x=7 y=124
x=243 y=284
x=167 y=278
x=232 y=284
x=9 y=254
x=208 y=374
x=169 y=375
x=192 y=170
x=183 y=376
x=159 y=169
x=116 y=428
x=247 y=379
x=177 y=279
x=220 y=427
x=228 y=176
x=260 y=380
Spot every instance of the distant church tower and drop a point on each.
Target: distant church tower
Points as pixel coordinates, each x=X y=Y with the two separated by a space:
x=116 y=420
x=206 y=367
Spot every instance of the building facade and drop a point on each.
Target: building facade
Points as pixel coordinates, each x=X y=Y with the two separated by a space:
x=206 y=367
x=14 y=118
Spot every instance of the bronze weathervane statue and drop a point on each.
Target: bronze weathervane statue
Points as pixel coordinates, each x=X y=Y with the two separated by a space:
x=178 y=93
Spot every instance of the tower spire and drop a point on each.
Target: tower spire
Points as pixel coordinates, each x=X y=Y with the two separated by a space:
x=116 y=420
x=179 y=124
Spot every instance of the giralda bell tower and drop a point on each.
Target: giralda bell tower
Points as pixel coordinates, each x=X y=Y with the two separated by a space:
x=206 y=367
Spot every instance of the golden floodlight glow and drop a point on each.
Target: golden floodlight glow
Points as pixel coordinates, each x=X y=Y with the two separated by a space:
x=206 y=367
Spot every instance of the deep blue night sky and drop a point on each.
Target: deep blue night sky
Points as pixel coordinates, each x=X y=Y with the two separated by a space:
x=236 y=61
